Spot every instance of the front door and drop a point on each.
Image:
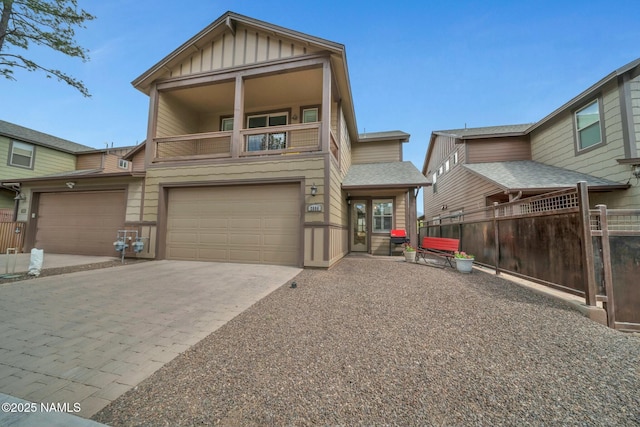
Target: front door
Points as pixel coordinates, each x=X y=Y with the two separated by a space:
x=359 y=226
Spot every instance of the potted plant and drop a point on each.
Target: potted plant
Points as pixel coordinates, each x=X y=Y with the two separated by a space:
x=464 y=261
x=409 y=253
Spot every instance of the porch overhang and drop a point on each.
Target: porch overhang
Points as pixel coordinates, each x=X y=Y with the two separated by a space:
x=528 y=176
x=384 y=176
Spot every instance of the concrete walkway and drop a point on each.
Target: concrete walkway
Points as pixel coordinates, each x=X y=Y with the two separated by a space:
x=90 y=336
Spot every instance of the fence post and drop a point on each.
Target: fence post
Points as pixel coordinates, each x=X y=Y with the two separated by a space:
x=606 y=265
x=587 y=244
x=496 y=236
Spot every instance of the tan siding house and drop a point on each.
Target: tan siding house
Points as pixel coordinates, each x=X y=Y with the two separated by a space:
x=252 y=155
x=593 y=137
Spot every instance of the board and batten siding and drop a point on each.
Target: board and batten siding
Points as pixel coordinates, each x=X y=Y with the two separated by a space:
x=246 y=46
x=498 y=150
x=312 y=169
x=376 y=152
x=634 y=88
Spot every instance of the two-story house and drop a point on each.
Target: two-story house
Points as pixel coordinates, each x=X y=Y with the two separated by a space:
x=595 y=137
x=253 y=155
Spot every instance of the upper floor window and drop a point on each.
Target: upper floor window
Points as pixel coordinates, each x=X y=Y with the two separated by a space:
x=588 y=126
x=382 y=216
x=433 y=182
x=309 y=115
x=123 y=164
x=455 y=157
x=267 y=141
x=21 y=155
x=446 y=165
x=226 y=124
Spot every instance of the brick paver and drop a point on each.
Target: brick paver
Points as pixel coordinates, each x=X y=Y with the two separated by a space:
x=88 y=337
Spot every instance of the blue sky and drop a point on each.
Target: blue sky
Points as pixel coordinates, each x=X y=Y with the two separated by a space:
x=415 y=66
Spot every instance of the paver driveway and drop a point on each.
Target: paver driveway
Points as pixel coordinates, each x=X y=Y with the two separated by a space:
x=88 y=337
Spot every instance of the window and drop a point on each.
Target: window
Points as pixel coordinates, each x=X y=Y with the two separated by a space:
x=455 y=158
x=21 y=155
x=588 y=129
x=446 y=165
x=309 y=115
x=226 y=124
x=382 y=216
x=123 y=164
x=440 y=170
x=267 y=141
x=433 y=182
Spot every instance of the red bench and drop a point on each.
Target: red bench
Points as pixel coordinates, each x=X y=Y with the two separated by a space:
x=439 y=246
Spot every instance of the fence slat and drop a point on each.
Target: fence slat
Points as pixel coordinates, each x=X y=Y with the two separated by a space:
x=9 y=238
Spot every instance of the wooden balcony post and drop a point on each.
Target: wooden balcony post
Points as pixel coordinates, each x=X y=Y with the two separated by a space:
x=326 y=106
x=238 y=109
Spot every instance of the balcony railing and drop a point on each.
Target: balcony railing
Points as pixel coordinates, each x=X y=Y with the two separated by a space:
x=288 y=139
x=196 y=146
x=274 y=140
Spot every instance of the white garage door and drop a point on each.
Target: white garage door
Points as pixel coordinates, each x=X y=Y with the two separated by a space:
x=250 y=224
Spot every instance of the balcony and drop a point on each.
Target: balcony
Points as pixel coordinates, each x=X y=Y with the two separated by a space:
x=274 y=140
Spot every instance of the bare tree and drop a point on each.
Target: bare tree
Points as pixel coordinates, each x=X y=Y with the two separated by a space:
x=48 y=23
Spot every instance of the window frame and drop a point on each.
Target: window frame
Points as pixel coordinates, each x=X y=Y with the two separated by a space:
x=268 y=145
x=391 y=215
x=16 y=144
x=310 y=108
x=579 y=149
x=224 y=120
x=123 y=164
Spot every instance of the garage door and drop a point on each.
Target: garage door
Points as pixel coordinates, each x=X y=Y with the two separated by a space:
x=251 y=224
x=82 y=223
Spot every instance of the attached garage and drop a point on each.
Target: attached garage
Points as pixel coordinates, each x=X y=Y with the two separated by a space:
x=80 y=223
x=248 y=223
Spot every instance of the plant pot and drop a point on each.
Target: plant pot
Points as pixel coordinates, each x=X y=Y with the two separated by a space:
x=464 y=265
x=410 y=256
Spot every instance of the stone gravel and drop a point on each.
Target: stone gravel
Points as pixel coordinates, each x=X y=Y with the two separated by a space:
x=382 y=342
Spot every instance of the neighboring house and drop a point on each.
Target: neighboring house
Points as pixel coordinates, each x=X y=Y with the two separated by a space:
x=595 y=137
x=26 y=153
x=252 y=155
x=73 y=196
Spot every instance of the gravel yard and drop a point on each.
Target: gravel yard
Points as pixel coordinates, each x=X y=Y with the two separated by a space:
x=381 y=342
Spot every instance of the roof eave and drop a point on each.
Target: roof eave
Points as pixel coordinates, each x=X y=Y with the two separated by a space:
x=133 y=174
x=226 y=21
x=385 y=186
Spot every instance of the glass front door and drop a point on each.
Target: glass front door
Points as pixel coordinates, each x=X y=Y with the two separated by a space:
x=359 y=226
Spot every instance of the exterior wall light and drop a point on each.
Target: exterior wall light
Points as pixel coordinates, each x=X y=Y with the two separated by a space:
x=314 y=189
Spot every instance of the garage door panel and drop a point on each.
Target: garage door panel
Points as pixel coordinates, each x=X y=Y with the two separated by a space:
x=84 y=223
x=213 y=238
x=254 y=224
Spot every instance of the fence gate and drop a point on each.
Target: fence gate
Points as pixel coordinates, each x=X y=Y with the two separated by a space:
x=9 y=238
x=616 y=243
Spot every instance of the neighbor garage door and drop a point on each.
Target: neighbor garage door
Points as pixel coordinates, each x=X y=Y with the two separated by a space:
x=252 y=224
x=82 y=223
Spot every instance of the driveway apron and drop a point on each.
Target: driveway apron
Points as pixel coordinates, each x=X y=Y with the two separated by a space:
x=83 y=339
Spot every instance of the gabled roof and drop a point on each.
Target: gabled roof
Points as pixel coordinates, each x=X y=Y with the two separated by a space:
x=528 y=175
x=227 y=22
x=384 y=175
x=24 y=134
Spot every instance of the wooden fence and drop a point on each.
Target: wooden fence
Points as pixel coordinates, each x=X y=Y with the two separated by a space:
x=9 y=238
x=556 y=240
